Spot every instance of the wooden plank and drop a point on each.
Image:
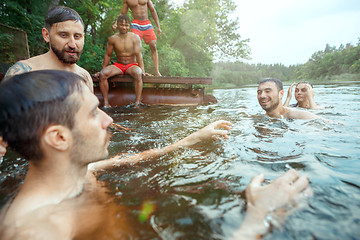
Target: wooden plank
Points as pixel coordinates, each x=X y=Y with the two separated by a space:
x=164 y=80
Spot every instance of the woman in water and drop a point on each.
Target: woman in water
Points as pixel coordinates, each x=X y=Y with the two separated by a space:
x=304 y=95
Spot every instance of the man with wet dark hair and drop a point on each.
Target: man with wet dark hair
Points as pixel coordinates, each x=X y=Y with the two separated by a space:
x=64 y=31
x=129 y=60
x=269 y=94
x=61 y=14
x=52 y=119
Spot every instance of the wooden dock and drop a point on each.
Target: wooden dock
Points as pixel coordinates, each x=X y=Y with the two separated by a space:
x=163 y=80
x=158 y=90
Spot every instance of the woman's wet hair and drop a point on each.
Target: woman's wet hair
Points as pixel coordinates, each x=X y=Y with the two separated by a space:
x=33 y=101
x=305 y=82
x=121 y=18
x=277 y=82
x=61 y=14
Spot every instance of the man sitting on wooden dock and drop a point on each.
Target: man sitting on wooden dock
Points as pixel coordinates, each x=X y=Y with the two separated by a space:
x=127 y=47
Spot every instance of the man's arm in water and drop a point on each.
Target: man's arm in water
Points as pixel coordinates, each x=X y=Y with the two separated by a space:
x=213 y=130
x=265 y=199
x=301 y=114
x=17 y=68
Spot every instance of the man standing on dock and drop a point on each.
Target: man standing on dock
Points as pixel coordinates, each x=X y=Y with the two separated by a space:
x=141 y=25
x=269 y=93
x=127 y=47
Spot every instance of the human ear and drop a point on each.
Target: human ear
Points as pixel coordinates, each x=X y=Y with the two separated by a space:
x=57 y=137
x=46 y=35
x=281 y=94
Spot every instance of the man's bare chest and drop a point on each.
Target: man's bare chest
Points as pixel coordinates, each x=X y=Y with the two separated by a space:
x=137 y=3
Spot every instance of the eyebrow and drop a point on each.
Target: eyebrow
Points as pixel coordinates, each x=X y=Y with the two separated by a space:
x=94 y=108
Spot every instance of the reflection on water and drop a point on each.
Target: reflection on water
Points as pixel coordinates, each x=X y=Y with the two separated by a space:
x=197 y=193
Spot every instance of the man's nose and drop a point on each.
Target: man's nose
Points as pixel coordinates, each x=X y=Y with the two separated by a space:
x=72 y=43
x=106 y=121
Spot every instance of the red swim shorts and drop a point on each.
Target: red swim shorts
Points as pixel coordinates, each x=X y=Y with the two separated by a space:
x=125 y=67
x=143 y=29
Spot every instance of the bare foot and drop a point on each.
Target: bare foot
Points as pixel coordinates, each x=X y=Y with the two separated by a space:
x=148 y=75
x=107 y=105
x=158 y=74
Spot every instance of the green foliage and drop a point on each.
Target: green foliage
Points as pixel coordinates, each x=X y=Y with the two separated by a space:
x=239 y=74
x=29 y=16
x=7 y=55
x=193 y=35
x=172 y=62
x=92 y=56
x=331 y=61
x=201 y=30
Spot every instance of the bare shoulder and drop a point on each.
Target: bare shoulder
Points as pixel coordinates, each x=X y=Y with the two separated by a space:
x=18 y=68
x=86 y=75
x=300 y=114
x=134 y=37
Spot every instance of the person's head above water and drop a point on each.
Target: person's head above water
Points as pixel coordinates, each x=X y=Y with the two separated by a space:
x=33 y=101
x=303 y=91
x=276 y=81
x=269 y=93
x=61 y=14
x=64 y=31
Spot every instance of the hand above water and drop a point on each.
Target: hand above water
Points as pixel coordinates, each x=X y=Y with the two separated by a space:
x=265 y=199
x=289 y=95
x=212 y=130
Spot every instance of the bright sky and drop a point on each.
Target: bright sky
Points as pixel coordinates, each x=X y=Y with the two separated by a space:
x=290 y=31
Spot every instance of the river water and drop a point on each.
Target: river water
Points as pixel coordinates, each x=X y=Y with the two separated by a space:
x=197 y=193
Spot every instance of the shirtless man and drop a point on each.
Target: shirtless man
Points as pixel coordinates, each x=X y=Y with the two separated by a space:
x=304 y=95
x=127 y=47
x=66 y=152
x=269 y=93
x=141 y=25
x=64 y=31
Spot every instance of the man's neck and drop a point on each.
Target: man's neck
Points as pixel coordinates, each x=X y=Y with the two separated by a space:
x=58 y=64
x=47 y=182
x=304 y=104
x=277 y=112
x=123 y=35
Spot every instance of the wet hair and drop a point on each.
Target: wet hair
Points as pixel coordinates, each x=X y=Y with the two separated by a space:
x=31 y=102
x=306 y=82
x=277 y=82
x=121 y=18
x=61 y=14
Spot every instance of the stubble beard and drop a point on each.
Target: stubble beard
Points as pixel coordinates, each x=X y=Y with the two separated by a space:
x=271 y=107
x=84 y=152
x=60 y=54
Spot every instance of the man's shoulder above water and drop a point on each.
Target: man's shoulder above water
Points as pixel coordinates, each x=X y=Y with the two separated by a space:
x=23 y=66
x=299 y=114
x=42 y=62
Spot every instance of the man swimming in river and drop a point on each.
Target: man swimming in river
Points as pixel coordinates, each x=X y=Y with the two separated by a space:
x=66 y=147
x=269 y=94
